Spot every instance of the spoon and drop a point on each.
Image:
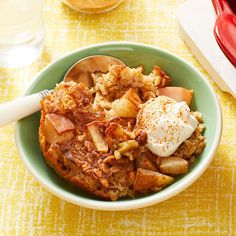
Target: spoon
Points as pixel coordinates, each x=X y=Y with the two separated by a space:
x=225 y=29
x=79 y=72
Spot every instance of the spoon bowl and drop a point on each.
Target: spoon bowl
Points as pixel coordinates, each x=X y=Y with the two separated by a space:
x=81 y=71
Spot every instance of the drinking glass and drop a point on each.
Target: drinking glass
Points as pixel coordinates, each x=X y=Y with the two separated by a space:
x=21 y=31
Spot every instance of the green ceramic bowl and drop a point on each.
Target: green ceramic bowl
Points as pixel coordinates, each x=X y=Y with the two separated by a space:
x=133 y=54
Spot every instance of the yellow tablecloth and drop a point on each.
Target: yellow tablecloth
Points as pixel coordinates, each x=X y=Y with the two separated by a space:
x=208 y=207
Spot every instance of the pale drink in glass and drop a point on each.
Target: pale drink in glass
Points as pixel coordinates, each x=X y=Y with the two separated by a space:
x=21 y=31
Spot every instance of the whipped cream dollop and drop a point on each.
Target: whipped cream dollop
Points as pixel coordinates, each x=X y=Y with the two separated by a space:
x=167 y=123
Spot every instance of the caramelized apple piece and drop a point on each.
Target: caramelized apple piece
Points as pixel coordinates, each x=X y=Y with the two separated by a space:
x=60 y=123
x=147 y=179
x=126 y=106
x=127 y=146
x=178 y=93
x=173 y=165
x=98 y=139
x=57 y=128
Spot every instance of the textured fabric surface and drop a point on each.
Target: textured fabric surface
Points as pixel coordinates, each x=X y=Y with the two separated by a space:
x=208 y=207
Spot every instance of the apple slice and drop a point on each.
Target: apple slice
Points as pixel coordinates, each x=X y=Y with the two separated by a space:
x=178 y=93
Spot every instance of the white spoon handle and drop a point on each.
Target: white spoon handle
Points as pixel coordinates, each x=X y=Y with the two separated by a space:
x=21 y=107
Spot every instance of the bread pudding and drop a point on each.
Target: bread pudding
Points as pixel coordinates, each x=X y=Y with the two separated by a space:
x=128 y=135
